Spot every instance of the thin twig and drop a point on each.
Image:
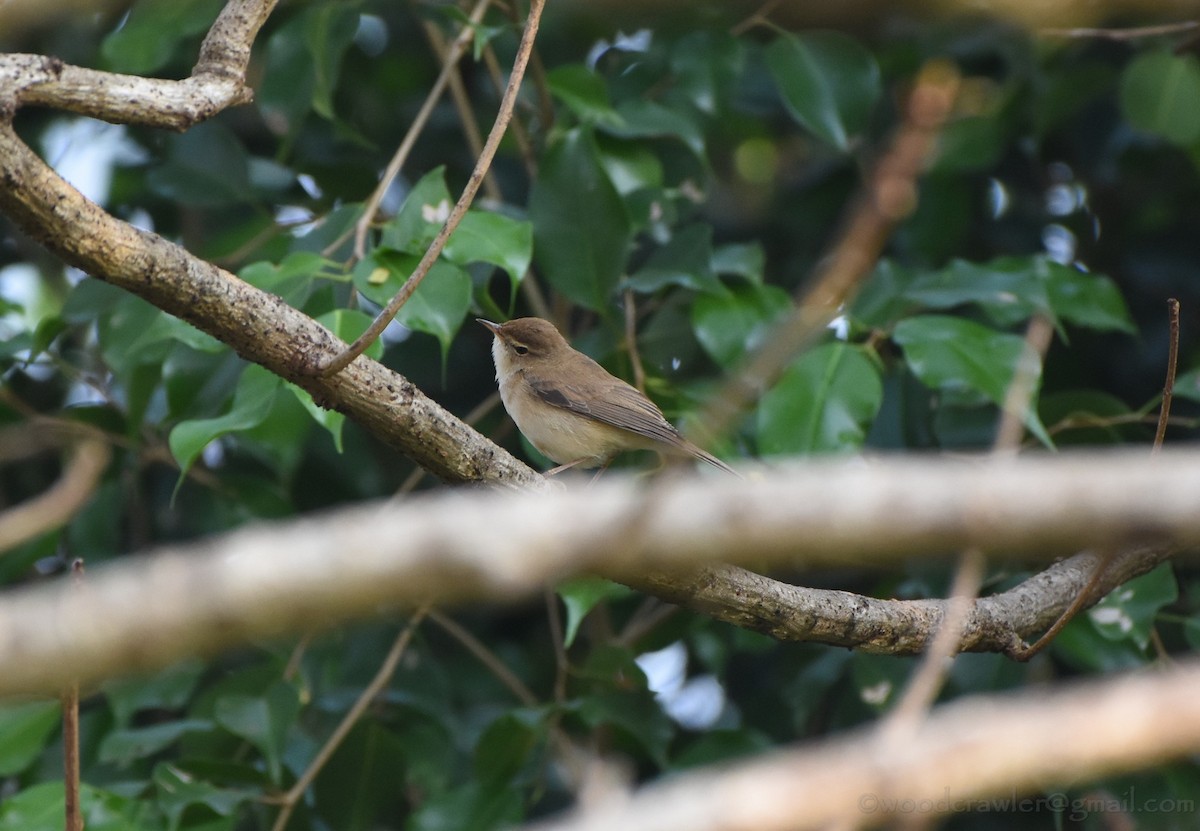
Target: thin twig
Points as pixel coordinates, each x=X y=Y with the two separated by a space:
x=60 y=501
x=381 y=679
x=888 y=197
x=1122 y=34
x=462 y=103
x=486 y=657
x=635 y=358
x=557 y=634
x=758 y=16
x=460 y=208
x=1164 y=411
x=457 y=49
x=1085 y=596
x=70 y=729
x=930 y=675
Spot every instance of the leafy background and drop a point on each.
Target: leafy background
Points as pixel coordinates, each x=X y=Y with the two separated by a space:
x=696 y=168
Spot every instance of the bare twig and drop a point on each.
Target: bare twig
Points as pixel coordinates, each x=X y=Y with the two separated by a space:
x=485 y=656
x=460 y=208
x=70 y=729
x=889 y=196
x=1164 y=411
x=449 y=67
x=61 y=501
x=635 y=359
x=386 y=670
x=930 y=675
x=1123 y=34
x=1090 y=591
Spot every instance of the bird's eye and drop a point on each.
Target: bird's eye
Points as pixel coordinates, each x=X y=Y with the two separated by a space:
x=520 y=349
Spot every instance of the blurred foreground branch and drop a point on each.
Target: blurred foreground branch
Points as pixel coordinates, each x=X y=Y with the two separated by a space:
x=471 y=545
x=980 y=754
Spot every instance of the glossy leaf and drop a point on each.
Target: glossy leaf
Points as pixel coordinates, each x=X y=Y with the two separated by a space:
x=731 y=327
x=497 y=239
x=177 y=790
x=423 y=213
x=1158 y=95
x=167 y=689
x=824 y=402
x=829 y=82
x=437 y=307
x=582 y=594
x=1128 y=612
x=252 y=402
x=956 y=355
x=40 y=808
x=24 y=731
x=584 y=92
x=745 y=260
x=121 y=747
x=581 y=230
x=152 y=33
x=347 y=324
x=685 y=261
x=329 y=32
x=507 y=744
x=263 y=721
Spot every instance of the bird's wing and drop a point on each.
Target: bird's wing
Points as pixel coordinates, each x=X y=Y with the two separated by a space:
x=620 y=406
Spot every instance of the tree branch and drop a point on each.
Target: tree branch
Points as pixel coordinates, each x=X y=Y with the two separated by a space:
x=266 y=580
x=971 y=755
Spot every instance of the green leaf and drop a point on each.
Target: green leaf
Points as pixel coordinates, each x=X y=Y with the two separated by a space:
x=177 y=790
x=24 y=731
x=824 y=402
x=424 y=212
x=329 y=31
x=955 y=355
x=206 y=167
x=252 y=402
x=474 y=806
x=1158 y=94
x=292 y=278
x=746 y=260
x=631 y=165
x=483 y=237
x=1089 y=300
x=263 y=721
x=347 y=324
x=1008 y=290
x=1128 y=611
x=167 y=689
x=883 y=299
x=152 y=33
x=637 y=714
x=685 y=261
x=584 y=92
x=731 y=327
x=829 y=83
x=643 y=118
x=507 y=743
x=437 y=307
x=580 y=228
x=40 y=808
x=582 y=594
x=123 y=746
x=717 y=746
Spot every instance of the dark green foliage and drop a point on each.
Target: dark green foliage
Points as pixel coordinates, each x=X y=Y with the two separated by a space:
x=697 y=174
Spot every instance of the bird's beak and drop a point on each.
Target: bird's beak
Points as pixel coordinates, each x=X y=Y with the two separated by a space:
x=495 y=327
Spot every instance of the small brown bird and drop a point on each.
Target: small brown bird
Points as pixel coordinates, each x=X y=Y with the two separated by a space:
x=572 y=409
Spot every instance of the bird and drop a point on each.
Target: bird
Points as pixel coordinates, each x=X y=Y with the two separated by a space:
x=574 y=411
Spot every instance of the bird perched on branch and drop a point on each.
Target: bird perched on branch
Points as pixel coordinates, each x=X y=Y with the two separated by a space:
x=572 y=409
